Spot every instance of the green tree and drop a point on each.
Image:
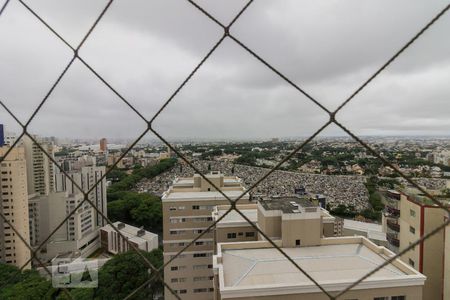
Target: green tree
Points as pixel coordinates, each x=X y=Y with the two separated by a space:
x=137 y=209
x=148 y=213
x=24 y=285
x=127 y=271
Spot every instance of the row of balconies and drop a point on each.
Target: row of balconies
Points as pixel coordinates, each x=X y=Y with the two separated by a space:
x=393 y=225
x=393 y=239
x=392 y=211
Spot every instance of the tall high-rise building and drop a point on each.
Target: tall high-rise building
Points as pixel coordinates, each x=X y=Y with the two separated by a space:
x=80 y=233
x=103 y=145
x=9 y=138
x=14 y=206
x=40 y=169
x=187 y=212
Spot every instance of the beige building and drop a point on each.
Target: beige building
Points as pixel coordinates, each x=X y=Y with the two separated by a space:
x=446 y=273
x=256 y=270
x=419 y=216
x=40 y=169
x=80 y=233
x=114 y=243
x=233 y=227
x=187 y=209
x=103 y=145
x=14 y=206
x=125 y=162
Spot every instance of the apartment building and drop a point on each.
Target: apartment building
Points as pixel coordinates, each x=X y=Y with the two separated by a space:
x=234 y=228
x=103 y=145
x=114 y=243
x=6 y=138
x=256 y=270
x=14 y=206
x=419 y=216
x=446 y=273
x=40 y=169
x=187 y=209
x=80 y=233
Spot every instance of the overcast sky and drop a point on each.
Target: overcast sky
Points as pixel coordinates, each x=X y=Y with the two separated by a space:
x=146 y=48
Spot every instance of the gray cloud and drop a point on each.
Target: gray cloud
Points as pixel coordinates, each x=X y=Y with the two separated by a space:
x=145 y=49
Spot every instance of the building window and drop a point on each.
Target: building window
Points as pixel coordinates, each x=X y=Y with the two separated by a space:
x=398 y=298
x=199 y=255
x=183 y=291
x=195 y=207
x=411 y=262
x=240 y=234
x=231 y=235
x=381 y=298
x=201 y=278
x=249 y=234
x=199 y=267
x=297 y=243
x=412 y=213
x=173 y=268
x=200 y=290
x=412 y=230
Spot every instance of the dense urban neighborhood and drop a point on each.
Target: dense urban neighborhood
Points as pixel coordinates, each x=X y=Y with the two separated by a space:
x=360 y=195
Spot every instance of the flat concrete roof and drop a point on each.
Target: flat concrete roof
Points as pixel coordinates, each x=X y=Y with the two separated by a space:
x=374 y=231
x=337 y=265
x=202 y=195
x=235 y=219
x=184 y=181
x=362 y=226
x=285 y=204
x=130 y=232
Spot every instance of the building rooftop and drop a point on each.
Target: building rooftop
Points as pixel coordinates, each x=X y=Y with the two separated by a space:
x=196 y=188
x=288 y=204
x=205 y=195
x=133 y=234
x=233 y=218
x=362 y=226
x=259 y=269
